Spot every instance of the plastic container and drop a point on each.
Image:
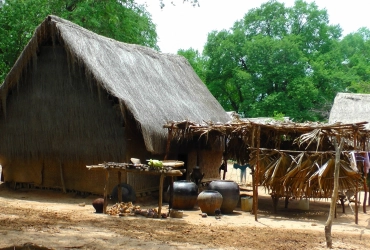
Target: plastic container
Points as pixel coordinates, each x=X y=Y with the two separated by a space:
x=304 y=204
x=246 y=203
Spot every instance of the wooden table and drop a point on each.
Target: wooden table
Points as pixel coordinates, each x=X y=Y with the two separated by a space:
x=124 y=167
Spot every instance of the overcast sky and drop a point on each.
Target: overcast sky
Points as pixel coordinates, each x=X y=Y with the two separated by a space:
x=183 y=26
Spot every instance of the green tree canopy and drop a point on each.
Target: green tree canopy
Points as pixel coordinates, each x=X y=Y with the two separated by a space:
x=277 y=59
x=355 y=49
x=122 y=20
x=196 y=60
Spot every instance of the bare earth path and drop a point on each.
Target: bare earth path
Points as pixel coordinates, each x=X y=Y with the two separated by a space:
x=59 y=221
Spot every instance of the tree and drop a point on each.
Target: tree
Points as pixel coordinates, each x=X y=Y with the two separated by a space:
x=122 y=20
x=196 y=61
x=277 y=59
x=355 y=49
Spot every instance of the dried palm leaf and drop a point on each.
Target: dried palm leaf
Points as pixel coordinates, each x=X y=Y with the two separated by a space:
x=308 y=138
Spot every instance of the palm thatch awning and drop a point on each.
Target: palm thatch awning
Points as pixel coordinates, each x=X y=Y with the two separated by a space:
x=292 y=158
x=153 y=87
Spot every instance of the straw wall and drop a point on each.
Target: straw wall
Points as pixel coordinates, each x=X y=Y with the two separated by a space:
x=57 y=123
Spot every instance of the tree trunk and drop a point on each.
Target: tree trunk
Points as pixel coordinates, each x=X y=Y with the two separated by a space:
x=334 y=197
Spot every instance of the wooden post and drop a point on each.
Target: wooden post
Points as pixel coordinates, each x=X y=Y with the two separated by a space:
x=255 y=195
x=252 y=143
x=119 y=187
x=171 y=194
x=106 y=192
x=329 y=222
x=275 y=200
x=356 y=205
x=161 y=178
x=356 y=193
x=225 y=160
x=169 y=138
x=365 y=196
x=365 y=165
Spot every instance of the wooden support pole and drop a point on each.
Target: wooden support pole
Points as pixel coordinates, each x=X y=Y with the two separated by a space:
x=365 y=196
x=169 y=138
x=119 y=188
x=171 y=194
x=364 y=169
x=161 y=178
x=356 y=205
x=225 y=160
x=253 y=173
x=256 y=174
x=334 y=197
x=106 y=192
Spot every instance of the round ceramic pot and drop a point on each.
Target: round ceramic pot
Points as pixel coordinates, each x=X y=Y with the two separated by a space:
x=98 y=204
x=185 y=195
x=209 y=201
x=230 y=192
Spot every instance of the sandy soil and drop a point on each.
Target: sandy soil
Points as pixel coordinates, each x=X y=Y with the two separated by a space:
x=55 y=220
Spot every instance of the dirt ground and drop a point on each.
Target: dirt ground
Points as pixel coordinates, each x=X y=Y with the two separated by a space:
x=53 y=220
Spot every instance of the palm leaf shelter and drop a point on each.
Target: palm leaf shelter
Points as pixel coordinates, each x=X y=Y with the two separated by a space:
x=288 y=158
x=75 y=98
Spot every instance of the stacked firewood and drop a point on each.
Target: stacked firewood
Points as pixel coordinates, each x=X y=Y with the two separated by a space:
x=128 y=209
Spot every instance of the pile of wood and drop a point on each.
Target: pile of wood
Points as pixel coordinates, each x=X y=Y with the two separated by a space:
x=128 y=209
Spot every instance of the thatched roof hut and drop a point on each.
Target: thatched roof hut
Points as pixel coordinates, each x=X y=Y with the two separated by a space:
x=351 y=108
x=75 y=98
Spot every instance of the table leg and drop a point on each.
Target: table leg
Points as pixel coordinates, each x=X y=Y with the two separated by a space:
x=171 y=195
x=161 y=178
x=119 y=188
x=106 y=192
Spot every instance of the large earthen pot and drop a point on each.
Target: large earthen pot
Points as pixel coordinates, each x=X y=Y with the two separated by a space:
x=185 y=195
x=98 y=204
x=209 y=201
x=230 y=192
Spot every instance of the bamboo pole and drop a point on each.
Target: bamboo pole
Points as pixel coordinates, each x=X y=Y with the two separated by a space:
x=329 y=222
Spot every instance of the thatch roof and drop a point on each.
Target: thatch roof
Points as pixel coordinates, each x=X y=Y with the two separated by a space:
x=154 y=87
x=351 y=108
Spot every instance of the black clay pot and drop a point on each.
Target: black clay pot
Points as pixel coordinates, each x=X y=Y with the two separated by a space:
x=185 y=195
x=230 y=192
x=98 y=204
x=209 y=201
